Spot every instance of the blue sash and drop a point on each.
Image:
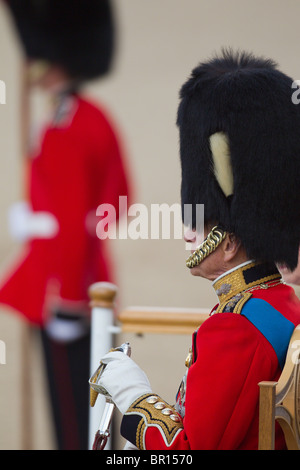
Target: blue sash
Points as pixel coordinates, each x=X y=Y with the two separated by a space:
x=272 y=324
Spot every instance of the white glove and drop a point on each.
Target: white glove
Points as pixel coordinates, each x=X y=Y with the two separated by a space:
x=24 y=224
x=123 y=379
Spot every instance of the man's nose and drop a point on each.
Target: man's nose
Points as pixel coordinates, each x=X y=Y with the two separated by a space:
x=189 y=235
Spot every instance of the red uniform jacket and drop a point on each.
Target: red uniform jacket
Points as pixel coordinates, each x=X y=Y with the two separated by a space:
x=242 y=343
x=78 y=167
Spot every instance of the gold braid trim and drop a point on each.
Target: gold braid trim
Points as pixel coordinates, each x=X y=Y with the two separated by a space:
x=155 y=412
x=210 y=244
x=233 y=283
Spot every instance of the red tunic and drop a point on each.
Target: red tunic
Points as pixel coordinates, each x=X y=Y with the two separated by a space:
x=217 y=409
x=78 y=167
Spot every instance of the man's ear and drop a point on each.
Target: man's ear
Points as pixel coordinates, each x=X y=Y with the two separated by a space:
x=231 y=246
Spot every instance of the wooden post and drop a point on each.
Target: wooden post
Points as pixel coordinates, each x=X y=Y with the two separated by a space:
x=26 y=389
x=102 y=297
x=266 y=439
x=26 y=405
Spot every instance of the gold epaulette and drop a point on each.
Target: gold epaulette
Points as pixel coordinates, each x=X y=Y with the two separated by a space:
x=235 y=304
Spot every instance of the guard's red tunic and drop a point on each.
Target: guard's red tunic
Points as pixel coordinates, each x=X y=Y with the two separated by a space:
x=78 y=167
x=242 y=343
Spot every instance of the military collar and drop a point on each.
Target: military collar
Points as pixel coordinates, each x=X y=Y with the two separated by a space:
x=245 y=277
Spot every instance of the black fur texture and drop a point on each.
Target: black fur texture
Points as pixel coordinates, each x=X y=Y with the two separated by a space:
x=75 y=34
x=250 y=100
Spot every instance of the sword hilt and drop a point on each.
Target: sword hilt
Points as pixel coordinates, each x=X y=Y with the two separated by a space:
x=103 y=432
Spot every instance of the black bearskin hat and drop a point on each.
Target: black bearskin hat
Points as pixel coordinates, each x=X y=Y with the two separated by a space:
x=76 y=34
x=240 y=153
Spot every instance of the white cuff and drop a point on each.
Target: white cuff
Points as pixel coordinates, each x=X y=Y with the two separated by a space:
x=24 y=224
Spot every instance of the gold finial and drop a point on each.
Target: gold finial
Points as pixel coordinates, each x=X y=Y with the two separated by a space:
x=102 y=294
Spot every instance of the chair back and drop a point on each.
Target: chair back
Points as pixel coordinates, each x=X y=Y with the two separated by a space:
x=280 y=401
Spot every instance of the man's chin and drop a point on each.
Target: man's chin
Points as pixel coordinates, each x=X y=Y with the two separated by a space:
x=195 y=271
x=288 y=276
x=283 y=269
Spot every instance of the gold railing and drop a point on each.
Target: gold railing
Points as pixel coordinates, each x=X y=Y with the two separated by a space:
x=164 y=320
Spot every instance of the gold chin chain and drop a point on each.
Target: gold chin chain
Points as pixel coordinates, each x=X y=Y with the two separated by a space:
x=212 y=241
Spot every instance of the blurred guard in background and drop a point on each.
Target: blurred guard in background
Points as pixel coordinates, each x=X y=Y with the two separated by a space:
x=75 y=164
